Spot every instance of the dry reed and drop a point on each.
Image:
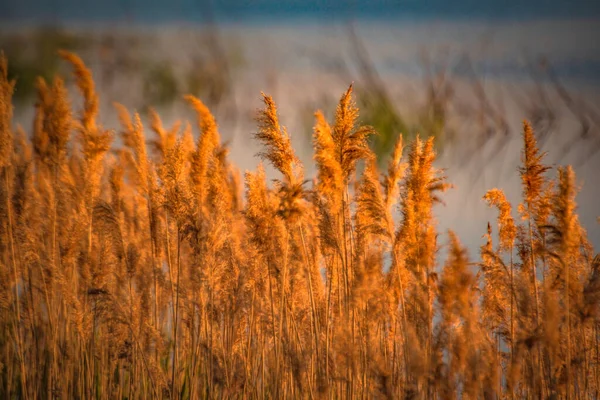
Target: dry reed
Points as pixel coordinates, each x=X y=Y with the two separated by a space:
x=141 y=270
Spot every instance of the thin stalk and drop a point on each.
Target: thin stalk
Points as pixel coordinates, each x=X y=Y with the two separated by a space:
x=327 y=317
x=282 y=305
x=18 y=331
x=535 y=291
x=596 y=374
x=272 y=304
x=311 y=295
x=404 y=323
x=345 y=257
x=176 y=318
x=568 y=318
x=249 y=343
x=512 y=318
x=170 y=265
x=54 y=259
x=153 y=260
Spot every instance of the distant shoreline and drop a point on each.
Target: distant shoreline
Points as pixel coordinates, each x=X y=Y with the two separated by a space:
x=284 y=19
x=395 y=44
x=259 y=11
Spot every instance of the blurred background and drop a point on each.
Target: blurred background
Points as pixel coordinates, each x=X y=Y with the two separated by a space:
x=467 y=72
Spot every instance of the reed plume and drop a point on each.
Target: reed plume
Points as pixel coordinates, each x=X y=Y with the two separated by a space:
x=532 y=177
x=278 y=147
x=144 y=268
x=6 y=91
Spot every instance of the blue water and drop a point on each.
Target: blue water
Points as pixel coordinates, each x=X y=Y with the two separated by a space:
x=317 y=13
x=324 y=10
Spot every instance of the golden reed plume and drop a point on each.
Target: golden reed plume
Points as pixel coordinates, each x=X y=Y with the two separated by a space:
x=145 y=268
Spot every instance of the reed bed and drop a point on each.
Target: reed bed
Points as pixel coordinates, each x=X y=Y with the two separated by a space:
x=154 y=270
